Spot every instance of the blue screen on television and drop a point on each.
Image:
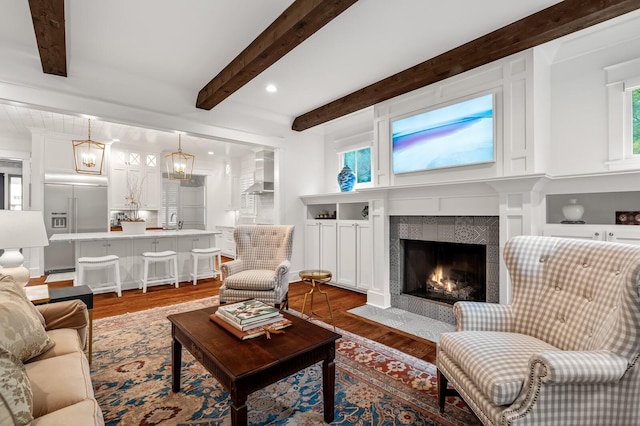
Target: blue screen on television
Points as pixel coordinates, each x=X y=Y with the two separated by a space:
x=455 y=135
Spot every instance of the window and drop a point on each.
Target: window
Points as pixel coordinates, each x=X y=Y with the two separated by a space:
x=15 y=192
x=623 y=95
x=635 y=120
x=359 y=161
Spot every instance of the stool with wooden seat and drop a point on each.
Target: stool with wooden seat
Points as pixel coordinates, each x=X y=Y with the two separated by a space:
x=211 y=254
x=101 y=262
x=170 y=257
x=315 y=277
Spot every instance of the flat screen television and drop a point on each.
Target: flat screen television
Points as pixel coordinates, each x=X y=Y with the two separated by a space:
x=455 y=135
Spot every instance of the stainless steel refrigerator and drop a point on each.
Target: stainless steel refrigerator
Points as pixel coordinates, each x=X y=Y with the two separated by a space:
x=72 y=204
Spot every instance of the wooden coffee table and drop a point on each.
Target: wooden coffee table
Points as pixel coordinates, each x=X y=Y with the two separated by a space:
x=245 y=366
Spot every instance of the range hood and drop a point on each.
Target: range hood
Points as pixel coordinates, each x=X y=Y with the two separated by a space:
x=263 y=175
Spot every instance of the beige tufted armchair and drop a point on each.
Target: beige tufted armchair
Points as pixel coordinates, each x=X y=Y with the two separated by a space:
x=565 y=351
x=261 y=269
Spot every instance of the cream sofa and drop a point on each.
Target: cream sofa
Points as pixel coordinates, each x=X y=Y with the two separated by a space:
x=44 y=373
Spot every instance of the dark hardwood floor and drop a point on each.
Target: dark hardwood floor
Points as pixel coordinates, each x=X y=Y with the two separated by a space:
x=109 y=304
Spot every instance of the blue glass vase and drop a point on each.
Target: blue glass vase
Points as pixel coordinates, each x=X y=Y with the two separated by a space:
x=346 y=179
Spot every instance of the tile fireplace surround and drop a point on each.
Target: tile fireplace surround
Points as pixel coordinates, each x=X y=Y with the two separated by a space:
x=456 y=229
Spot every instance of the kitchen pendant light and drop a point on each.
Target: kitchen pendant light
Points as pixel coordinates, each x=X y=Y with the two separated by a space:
x=179 y=164
x=88 y=155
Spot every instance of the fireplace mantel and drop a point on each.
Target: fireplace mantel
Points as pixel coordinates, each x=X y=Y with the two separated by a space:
x=519 y=203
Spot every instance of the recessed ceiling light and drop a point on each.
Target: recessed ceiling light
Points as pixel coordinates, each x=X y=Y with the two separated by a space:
x=115 y=140
x=210 y=152
x=271 y=88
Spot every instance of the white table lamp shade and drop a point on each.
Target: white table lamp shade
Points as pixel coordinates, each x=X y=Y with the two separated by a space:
x=18 y=230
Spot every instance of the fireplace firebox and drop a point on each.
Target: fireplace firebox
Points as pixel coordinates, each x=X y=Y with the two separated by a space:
x=444 y=272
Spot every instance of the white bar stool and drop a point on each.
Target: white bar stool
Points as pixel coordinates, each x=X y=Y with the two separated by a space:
x=171 y=257
x=211 y=253
x=86 y=263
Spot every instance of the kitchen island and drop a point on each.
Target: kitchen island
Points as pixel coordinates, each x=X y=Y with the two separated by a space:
x=129 y=248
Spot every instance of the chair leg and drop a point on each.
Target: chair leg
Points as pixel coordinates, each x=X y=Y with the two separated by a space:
x=442 y=390
x=145 y=275
x=80 y=275
x=195 y=269
x=217 y=270
x=117 y=278
x=175 y=270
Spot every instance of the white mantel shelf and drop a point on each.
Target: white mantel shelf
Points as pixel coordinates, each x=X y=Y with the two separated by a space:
x=119 y=235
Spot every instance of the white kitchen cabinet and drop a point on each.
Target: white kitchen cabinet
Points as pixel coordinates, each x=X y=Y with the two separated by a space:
x=225 y=241
x=355 y=255
x=320 y=245
x=628 y=234
x=99 y=248
x=141 y=166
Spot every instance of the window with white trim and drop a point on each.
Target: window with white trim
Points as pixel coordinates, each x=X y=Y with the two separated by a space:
x=623 y=93
x=358 y=160
x=634 y=108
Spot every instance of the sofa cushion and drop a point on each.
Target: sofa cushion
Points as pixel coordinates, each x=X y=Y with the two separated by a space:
x=496 y=362
x=66 y=341
x=255 y=279
x=85 y=413
x=21 y=329
x=59 y=382
x=16 y=400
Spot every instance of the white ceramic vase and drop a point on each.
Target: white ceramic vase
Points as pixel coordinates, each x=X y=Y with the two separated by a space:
x=133 y=227
x=573 y=211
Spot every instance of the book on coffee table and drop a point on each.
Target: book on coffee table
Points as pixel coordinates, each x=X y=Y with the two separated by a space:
x=249 y=326
x=274 y=328
x=248 y=311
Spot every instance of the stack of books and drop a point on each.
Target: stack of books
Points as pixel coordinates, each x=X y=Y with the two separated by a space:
x=249 y=319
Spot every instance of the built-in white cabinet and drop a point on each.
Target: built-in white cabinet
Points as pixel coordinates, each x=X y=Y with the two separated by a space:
x=355 y=254
x=320 y=245
x=628 y=234
x=143 y=167
x=225 y=241
x=602 y=213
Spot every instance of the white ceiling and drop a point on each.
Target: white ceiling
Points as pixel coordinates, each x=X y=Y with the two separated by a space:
x=155 y=55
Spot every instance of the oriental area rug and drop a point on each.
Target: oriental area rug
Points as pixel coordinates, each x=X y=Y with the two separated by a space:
x=375 y=384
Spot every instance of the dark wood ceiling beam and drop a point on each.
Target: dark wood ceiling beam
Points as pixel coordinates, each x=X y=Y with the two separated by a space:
x=292 y=27
x=49 y=26
x=556 y=21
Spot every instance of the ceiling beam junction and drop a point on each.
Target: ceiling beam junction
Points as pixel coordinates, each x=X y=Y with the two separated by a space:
x=298 y=22
x=551 y=23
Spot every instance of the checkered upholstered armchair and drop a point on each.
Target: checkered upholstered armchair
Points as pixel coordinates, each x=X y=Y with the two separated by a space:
x=261 y=269
x=564 y=351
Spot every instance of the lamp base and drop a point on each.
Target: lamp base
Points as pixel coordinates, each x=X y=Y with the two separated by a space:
x=11 y=260
x=20 y=274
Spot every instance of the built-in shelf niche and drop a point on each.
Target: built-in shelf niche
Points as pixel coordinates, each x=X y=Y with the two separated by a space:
x=351 y=211
x=314 y=211
x=340 y=211
x=599 y=207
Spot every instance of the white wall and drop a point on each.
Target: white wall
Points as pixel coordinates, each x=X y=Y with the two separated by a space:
x=299 y=169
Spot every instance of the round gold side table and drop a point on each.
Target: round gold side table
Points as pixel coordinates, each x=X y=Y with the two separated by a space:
x=315 y=277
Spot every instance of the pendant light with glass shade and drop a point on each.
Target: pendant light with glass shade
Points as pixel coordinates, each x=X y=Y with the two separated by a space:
x=179 y=164
x=88 y=155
